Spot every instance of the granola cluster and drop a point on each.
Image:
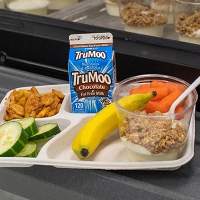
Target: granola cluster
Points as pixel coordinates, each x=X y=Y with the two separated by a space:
x=193 y=1
x=188 y=25
x=114 y=1
x=161 y=2
x=142 y=16
x=157 y=136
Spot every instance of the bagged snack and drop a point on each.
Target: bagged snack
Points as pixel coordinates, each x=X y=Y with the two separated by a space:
x=91 y=69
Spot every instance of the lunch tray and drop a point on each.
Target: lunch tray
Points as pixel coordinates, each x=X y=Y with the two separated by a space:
x=110 y=155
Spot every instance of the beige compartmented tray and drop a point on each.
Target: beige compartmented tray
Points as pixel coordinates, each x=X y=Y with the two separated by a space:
x=110 y=155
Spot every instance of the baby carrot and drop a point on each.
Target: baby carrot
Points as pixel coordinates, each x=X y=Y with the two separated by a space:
x=161 y=92
x=178 y=109
x=151 y=106
x=157 y=84
x=145 y=86
x=170 y=85
x=165 y=104
x=174 y=86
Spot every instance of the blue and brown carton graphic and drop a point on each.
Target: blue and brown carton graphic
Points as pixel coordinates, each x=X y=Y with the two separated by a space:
x=92 y=74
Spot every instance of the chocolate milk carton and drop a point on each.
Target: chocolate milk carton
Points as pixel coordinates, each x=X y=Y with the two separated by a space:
x=91 y=69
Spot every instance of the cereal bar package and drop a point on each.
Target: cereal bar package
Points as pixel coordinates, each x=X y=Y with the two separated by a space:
x=91 y=69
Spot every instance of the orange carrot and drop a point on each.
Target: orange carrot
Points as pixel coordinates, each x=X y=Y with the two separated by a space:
x=157 y=84
x=150 y=107
x=178 y=109
x=145 y=86
x=174 y=86
x=181 y=103
x=161 y=92
x=165 y=104
x=170 y=85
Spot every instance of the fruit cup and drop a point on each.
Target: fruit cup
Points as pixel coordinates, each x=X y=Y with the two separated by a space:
x=156 y=136
x=186 y=15
x=146 y=17
x=35 y=7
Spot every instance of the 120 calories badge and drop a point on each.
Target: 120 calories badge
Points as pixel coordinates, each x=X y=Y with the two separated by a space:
x=92 y=73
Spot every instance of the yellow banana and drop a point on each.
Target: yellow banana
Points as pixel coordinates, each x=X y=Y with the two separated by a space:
x=104 y=122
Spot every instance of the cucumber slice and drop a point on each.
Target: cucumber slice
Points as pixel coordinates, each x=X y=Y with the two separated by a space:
x=13 y=139
x=47 y=130
x=29 y=125
x=30 y=150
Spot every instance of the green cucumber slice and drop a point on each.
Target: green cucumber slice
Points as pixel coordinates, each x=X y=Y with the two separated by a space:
x=29 y=125
x=30 y=150
x=47 y=130
x=13 y=139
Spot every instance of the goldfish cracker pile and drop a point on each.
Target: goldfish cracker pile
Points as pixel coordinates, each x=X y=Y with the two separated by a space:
x=167 y=93
x=24 y=103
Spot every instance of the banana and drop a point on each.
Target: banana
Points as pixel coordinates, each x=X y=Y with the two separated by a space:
x=104 y=122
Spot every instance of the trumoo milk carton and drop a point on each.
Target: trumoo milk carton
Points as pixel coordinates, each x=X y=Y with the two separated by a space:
x=91 y=69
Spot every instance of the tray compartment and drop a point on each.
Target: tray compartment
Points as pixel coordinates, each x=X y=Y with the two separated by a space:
x=110 y=150
x=110 y=154
x=64 y=88
x=62 y=123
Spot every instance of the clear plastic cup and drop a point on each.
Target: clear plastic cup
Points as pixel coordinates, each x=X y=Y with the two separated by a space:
x=146 y=17
x=170 y=16
x=35 y=7
x=112 y=7
x=186 y=16
x=59 y=4
x=153 y=137
x=2 y=3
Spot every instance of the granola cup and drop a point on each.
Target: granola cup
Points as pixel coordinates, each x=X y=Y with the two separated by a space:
x=144 y=16
x=187 y=20
x=155 y=136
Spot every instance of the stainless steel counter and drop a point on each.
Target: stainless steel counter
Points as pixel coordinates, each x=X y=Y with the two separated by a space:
x=94 y=13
